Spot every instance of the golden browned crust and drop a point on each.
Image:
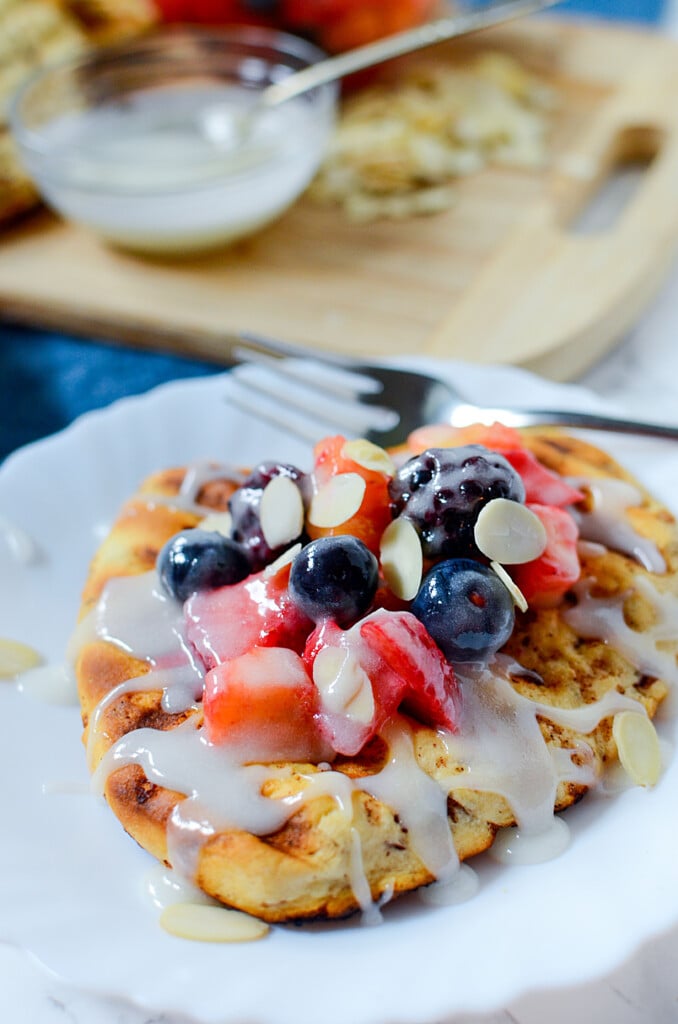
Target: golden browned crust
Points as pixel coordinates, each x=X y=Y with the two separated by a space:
x=303 y=870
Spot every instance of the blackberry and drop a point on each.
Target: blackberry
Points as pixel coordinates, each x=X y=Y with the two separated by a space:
x=443 y=490
x=244 y=506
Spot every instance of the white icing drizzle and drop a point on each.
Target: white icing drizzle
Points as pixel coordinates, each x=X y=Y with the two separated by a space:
x=499 y=742
x=179 y=693
x=197 y=476
x=590 y=549
x=164 y=887
x=603 y=619
x=224 y=794
x=183 y=760
x=607 y=524
x=502 y=749
x=21 y=545
x=51 y=684
x=201 y=473
x=135 y=613
x=371 y=911
x=418 y=800
x=513 y=846
x=458 y=889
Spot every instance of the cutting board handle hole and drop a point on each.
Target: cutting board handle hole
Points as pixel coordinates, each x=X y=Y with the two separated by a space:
x=631 y=155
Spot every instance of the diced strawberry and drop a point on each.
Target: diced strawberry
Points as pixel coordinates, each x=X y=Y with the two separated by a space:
x=542 y=486
x=431 y=692
x=360 y=693
x=392 y=653
x=262 y=704
x=225 y=623
x=374 y=514
x=327 y=633
x=496 y=437
x=547 y=578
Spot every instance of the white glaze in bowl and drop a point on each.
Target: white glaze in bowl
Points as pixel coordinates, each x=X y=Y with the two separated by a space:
x=117 y=140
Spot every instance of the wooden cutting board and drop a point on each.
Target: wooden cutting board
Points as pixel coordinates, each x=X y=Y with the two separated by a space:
x=502 y=277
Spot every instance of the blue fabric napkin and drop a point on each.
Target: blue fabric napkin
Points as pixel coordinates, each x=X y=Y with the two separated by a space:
x=47 y=380
x=642 y=11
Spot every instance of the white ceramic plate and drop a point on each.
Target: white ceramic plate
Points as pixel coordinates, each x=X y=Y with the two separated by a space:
x=72 y=883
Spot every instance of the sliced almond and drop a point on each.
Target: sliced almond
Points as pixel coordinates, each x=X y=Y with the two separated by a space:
x=326 y=671
x=509 y=533
x=369 y=456
x=402 y=559
x=281 y=561
x=21 y=545
x=361 y=706
x=16 y=658
x=337 y=501
x=638 y=747
x=218 y=522
x=519 y=599
x=281 y=512
x=343 y=684
x=203 y=923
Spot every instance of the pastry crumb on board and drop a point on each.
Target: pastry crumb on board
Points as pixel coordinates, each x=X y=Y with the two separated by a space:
x=401 y=146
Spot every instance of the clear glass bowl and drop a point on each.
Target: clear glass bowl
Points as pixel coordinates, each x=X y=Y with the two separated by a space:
x=119 y=140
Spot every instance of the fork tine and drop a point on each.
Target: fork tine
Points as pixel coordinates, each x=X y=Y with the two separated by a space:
x=307 y=406
x=288 y=350
x=348 y=384
x=277 y=417
x=417 y=397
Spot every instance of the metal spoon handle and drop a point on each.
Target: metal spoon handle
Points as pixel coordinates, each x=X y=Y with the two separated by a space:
x=397 y=45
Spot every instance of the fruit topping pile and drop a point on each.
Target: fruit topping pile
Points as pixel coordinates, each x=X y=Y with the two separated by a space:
x=345 y=594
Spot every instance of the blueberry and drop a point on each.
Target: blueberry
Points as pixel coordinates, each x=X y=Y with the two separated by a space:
x=334 y=577
x=200 y=560
x=466 y=609
x=443 y=490
x=244 y=507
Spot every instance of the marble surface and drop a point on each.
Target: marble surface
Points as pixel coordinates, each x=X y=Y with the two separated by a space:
x=641 y=377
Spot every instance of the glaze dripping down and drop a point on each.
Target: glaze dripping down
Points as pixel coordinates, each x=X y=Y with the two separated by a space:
x=500 y=745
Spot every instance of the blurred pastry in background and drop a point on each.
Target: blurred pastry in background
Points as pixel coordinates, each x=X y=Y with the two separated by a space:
x=110 y=20
x=37 y=32
x=334 y=25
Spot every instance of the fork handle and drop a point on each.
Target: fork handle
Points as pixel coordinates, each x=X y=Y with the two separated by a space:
x=557 y=417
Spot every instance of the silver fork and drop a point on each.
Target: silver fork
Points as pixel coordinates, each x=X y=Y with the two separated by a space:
x=308 y=392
